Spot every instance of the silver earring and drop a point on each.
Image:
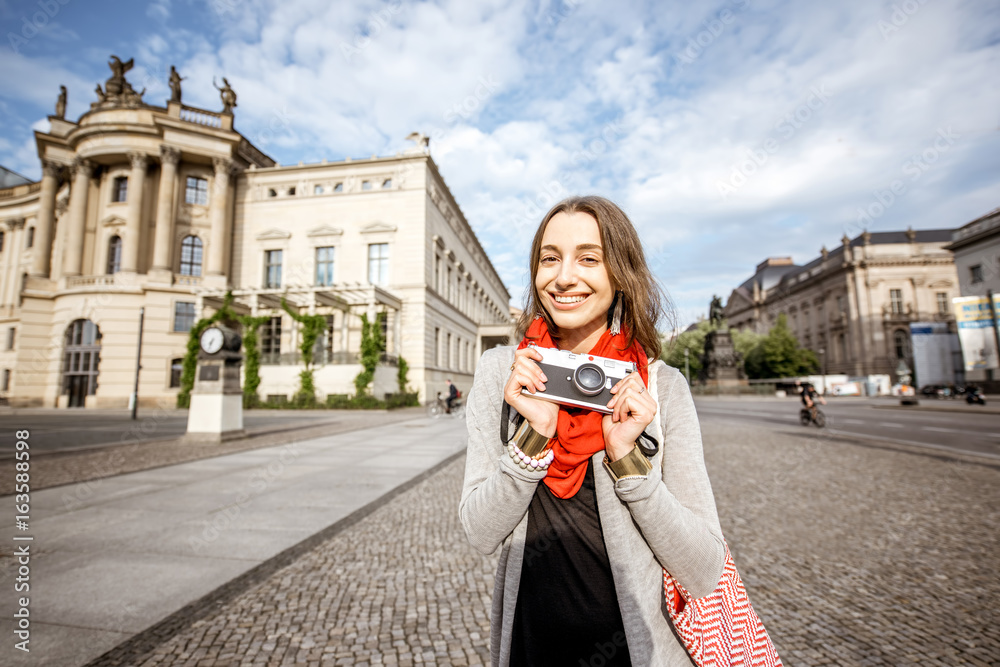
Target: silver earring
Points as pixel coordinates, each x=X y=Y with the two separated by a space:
x=616 y=317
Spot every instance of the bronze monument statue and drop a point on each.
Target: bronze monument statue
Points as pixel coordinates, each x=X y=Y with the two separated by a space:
x=715 y=311
x=227 y=94
x=61 y=103
x=175 y=85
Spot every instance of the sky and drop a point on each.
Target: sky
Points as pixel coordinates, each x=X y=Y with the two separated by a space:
x=728 y=131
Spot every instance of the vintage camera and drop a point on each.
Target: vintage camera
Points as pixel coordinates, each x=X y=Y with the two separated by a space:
x=579 y=380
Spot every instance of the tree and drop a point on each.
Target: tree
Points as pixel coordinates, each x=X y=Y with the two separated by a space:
x=693 y=340
x=778 y=355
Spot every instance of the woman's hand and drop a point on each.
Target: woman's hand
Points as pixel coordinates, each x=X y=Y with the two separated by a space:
x=542 y=415
x=633 y=410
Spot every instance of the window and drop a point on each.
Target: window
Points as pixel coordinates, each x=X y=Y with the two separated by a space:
x=119 y=189
x=378 y=263
x=31 y=237
x=901 y=341
x=270 y=341
x=437 y=346
x=386 y=184
x=977 y=273
x=291 y=191
x=183 y=315
x=272 y=268
x=271 y=192
x=437 y=272
x=191 y=256
x=944 y=307
x=840 y=305
x=196 y=191
x=339 y=187
x=318 y=190
x=447 y=351
x=114 y=254
x=842 y=347
x=896 y=301
x=11 y=333
x=1 y=241
x=447 y=288
x=6 y=379
x=176 y=370
x=324 y=266
x=366 y=185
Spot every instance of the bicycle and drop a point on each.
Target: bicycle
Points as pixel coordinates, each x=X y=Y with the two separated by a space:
x=439 y=407
x=812 y=415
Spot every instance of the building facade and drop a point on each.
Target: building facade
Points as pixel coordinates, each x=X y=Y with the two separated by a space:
x=976 y=247
x=854 y=305
x=168 y=208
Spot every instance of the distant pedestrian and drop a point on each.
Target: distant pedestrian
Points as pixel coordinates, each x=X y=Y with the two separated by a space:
x=622 y=496
x=452 y=395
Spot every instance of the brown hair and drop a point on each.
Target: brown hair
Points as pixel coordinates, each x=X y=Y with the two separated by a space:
x=645 y=302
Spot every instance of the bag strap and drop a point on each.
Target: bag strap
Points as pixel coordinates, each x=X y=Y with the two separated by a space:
x=505 y=421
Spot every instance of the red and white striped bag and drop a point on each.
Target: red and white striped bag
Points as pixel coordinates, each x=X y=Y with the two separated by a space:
x=720 y=629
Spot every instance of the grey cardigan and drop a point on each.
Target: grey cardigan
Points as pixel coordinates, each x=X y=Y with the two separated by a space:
x=664 y=520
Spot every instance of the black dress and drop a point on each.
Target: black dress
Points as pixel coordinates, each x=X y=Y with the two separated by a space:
x=567 y=612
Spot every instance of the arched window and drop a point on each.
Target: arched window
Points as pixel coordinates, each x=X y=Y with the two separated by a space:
x=114 y=254
x=81 y=359
x=191 y=256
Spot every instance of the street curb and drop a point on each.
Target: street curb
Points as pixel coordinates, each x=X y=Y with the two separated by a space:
x=957 y=409
x=141 y=644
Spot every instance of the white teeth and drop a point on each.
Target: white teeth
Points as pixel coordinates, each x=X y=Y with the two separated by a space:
x=569 y=299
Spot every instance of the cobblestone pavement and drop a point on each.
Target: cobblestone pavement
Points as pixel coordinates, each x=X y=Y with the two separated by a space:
x=56 y=468
x=853 y=554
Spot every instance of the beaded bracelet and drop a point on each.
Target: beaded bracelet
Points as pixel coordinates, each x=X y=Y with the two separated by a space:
x=526 y=462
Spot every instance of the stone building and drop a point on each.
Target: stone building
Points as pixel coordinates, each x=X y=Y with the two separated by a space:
x=853 y=305
x=976 y=247
x=166 y=208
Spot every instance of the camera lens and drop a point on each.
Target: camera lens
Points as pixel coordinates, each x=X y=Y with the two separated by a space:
x=589 y=379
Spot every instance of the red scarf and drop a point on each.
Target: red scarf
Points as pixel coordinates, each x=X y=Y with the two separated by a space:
x=579 y=434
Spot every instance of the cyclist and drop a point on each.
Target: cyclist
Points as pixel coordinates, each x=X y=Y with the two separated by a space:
x=810 y=397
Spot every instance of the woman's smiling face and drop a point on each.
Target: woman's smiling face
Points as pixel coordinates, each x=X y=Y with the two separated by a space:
x=572 y=280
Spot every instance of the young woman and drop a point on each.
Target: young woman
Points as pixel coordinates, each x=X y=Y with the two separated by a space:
x=588 y=520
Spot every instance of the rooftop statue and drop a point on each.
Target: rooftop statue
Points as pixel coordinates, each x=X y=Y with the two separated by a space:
x=61 y=103
x=117 y=90
x=227 y=94
x=175 y=85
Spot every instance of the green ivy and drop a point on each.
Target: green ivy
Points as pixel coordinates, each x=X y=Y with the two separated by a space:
x=372 y=346
x=313 y=327
x=401 y=375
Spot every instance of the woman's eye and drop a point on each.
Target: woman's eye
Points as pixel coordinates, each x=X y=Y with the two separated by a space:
x=547 y=259
x=590 y=260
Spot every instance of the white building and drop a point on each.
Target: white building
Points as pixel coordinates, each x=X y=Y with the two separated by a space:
x=167 y=208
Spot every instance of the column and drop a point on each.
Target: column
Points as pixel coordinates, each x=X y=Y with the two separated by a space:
x=218 y=216
x=344 y=332
x=46 y=219
x=133 y=223
x=15 y=244
x=73 y=255
x=398 y=333
x=163 y=243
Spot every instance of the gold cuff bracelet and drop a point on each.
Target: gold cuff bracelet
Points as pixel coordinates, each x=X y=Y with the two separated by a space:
x=530 y=441
x=633 y=464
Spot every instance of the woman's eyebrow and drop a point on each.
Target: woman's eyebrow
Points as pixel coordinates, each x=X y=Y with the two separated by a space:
x=582 y=246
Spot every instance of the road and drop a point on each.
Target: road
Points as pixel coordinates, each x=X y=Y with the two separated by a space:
x=65 y=430
x=950 y=428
